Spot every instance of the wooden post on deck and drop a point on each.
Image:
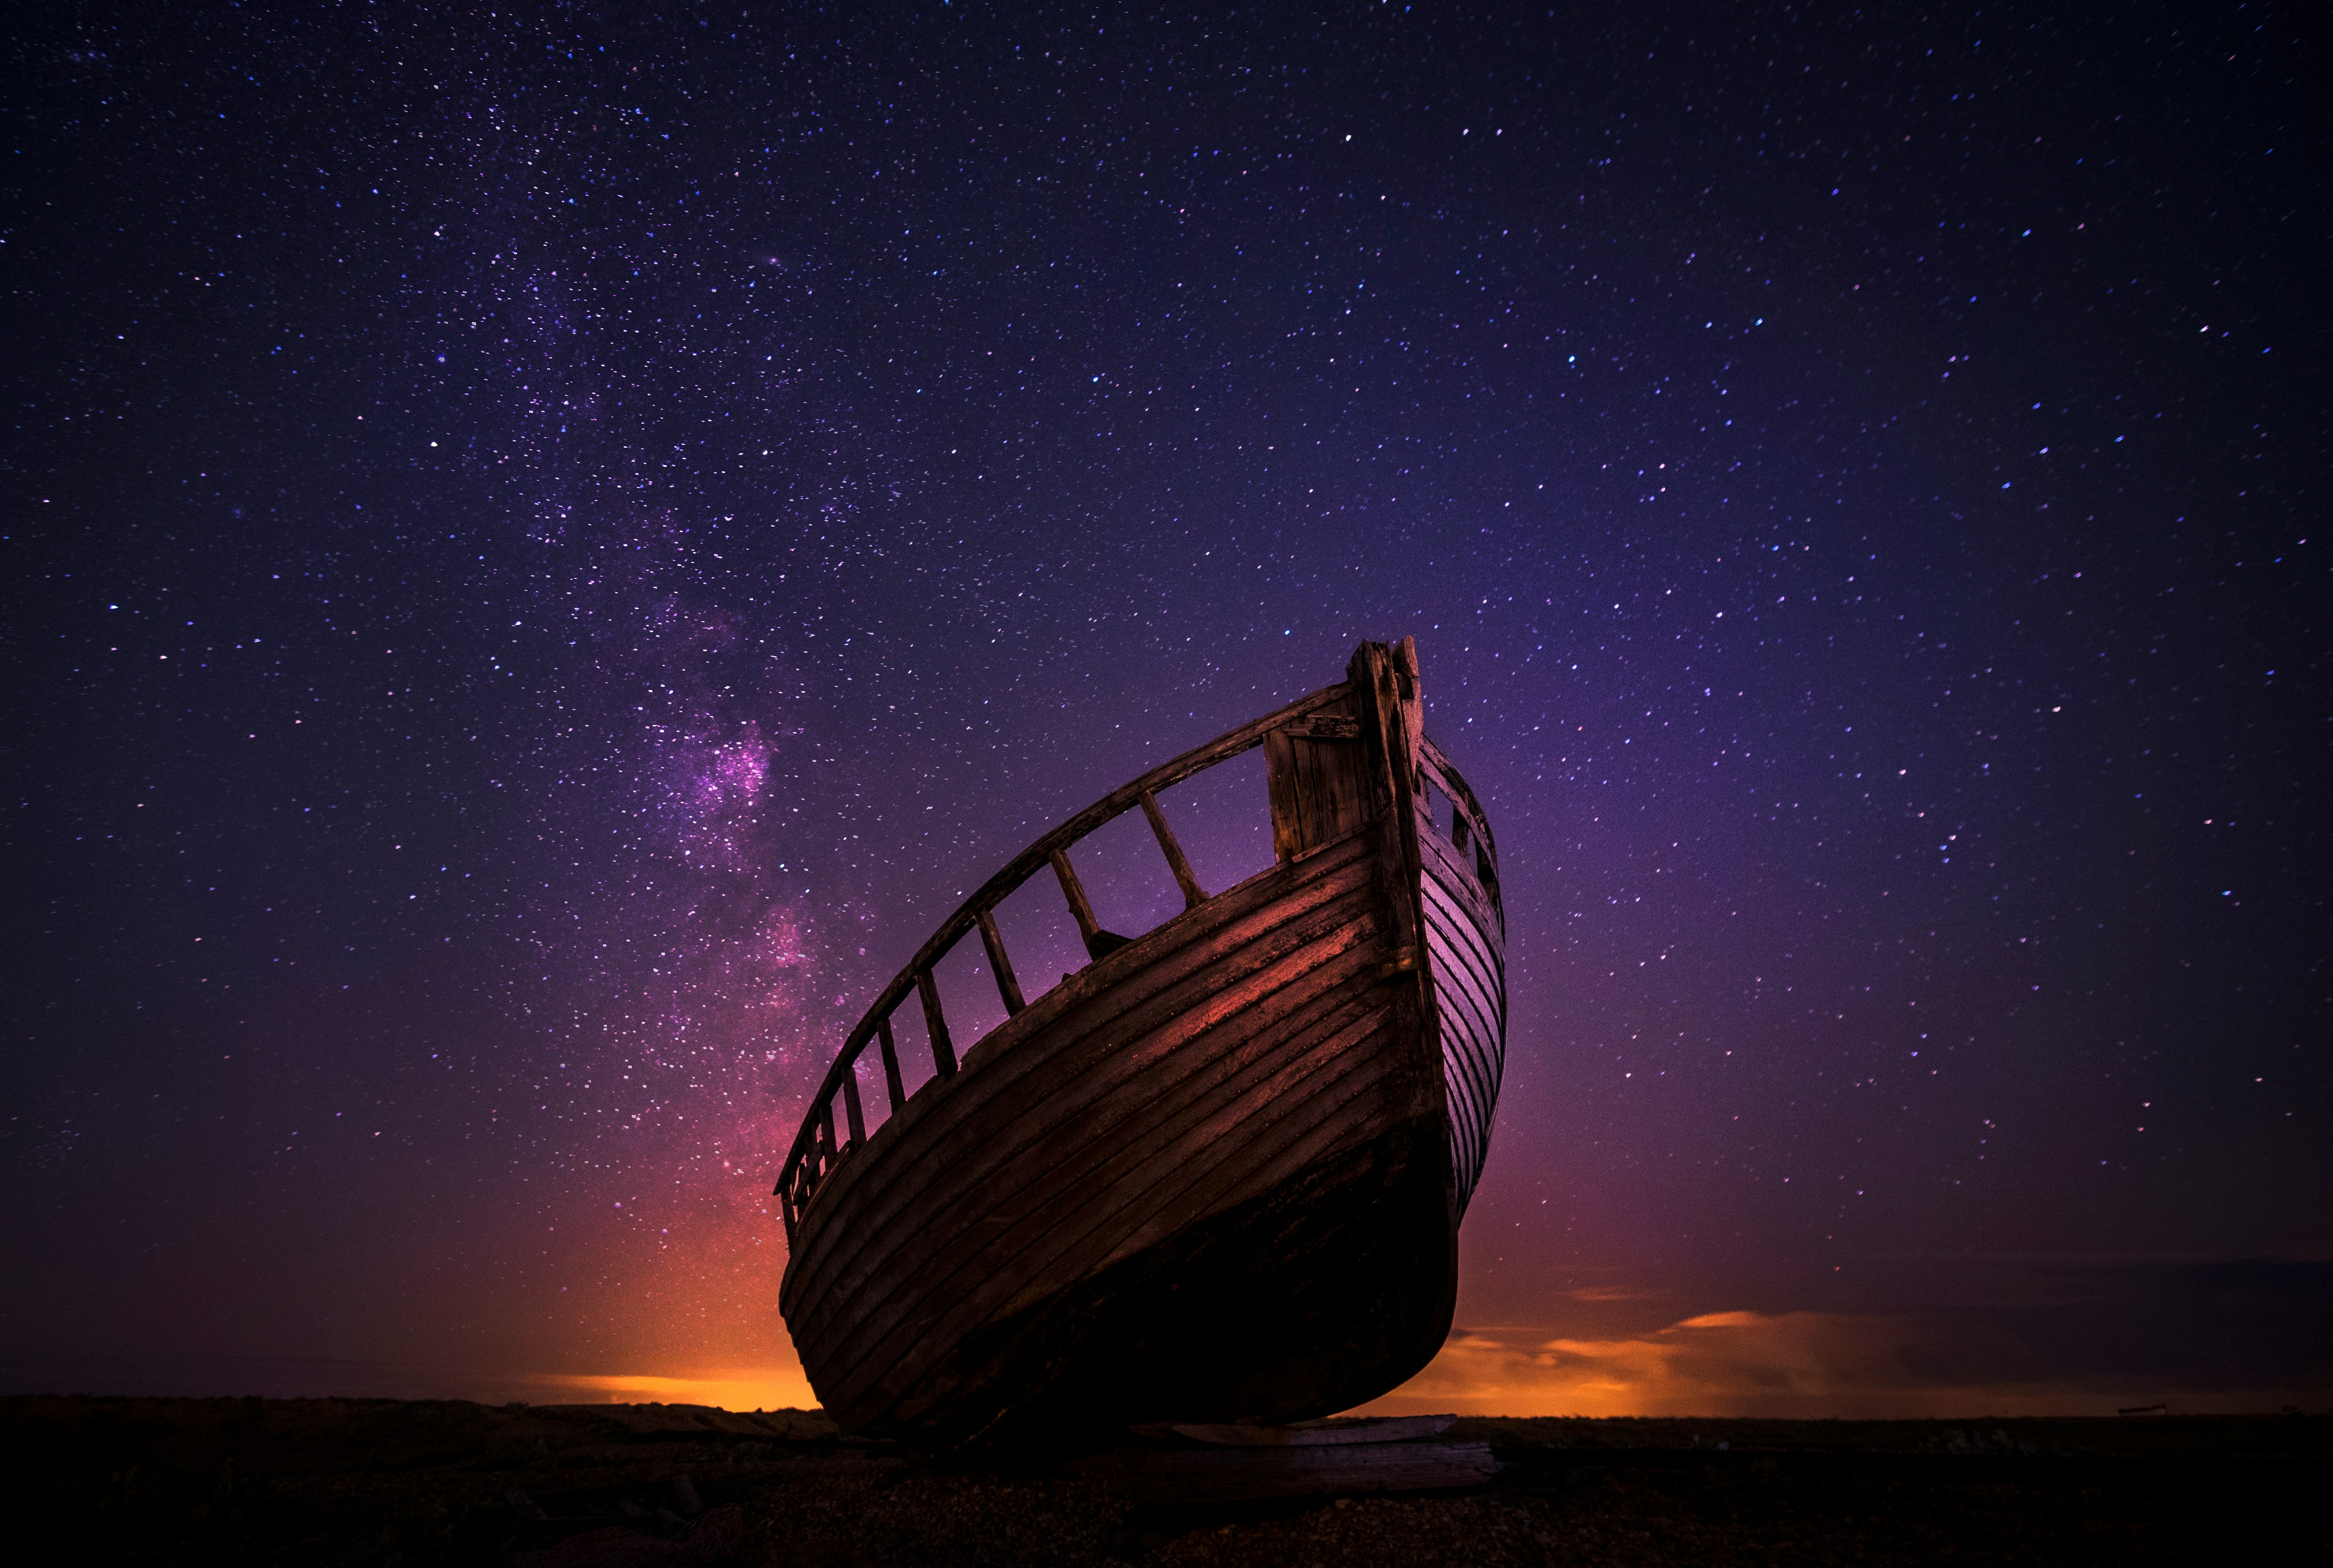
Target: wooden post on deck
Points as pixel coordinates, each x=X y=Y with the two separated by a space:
x=942 y=1048
x=1008 y=987
x=1098 y=940
x=1193 y=894
x=890 y=1063
x=858 y=1118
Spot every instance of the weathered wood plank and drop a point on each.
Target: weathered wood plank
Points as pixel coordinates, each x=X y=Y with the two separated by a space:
x=1193 y=894
x=1465 y=891
x=1280 y=787
x=1469 y=966
x=936 y=1024
x=1387 y=690
x=891 y=1065
x=1316 y=776
x=1085 y=1128
x=1454 y=784
x=1462 y=964
x=1472 y=1021
x=1468 y=985
x=1008 y=985
x=1459 y=879
x=1326 y=726
x=1099 y=943
x=858 y=1122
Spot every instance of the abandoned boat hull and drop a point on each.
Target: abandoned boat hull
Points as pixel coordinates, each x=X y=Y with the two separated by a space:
x=1216 y=1175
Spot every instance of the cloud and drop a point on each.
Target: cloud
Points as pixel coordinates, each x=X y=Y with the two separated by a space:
x=1799 y=1364
x=1612 y=1292
x=1714 y=1363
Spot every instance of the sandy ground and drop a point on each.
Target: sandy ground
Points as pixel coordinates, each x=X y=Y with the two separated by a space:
x=356 y=1481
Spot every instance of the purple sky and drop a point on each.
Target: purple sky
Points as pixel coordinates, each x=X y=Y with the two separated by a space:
x=548 y=548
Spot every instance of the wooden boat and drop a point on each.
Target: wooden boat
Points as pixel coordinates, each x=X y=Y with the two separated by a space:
x=1216 y=1175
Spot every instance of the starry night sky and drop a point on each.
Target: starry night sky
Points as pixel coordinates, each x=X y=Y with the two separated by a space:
x=547 y=547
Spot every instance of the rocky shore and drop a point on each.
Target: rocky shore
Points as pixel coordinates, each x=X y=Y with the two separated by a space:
x=389 y=1483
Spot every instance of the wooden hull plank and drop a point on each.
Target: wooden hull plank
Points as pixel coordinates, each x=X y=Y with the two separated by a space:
x=1466 y=939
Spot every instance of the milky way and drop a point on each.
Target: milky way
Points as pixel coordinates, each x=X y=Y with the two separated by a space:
x=548 y=548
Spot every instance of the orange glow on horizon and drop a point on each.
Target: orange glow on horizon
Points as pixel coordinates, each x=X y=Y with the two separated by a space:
x=1798 y=1364
x=724 y=1388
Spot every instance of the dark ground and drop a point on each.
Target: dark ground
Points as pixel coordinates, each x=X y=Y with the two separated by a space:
x=358 y=1481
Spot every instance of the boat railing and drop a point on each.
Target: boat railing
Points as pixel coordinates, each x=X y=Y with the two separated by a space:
x=820 y=1144
x=1470 y=826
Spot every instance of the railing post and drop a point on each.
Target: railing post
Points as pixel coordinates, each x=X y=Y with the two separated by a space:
x=1193 y=894
x=857 y=1120
x=890 y=1063
x=1075 y=892
x=942 y=1048
x=1098 y=941
x=1008 y=987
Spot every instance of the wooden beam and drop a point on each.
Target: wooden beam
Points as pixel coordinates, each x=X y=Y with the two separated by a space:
x=1193 y=894
x=1385 y=681
x=1280 y=787
x=858 y=1118
x=1008 y=987
x=891 y=1065
x=942 y=1048
x=1074 y=891
x=1454 y=784
x=1326 y=726
x=1098 y=941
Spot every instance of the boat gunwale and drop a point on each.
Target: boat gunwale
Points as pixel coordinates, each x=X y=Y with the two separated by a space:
x=1463 y=794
